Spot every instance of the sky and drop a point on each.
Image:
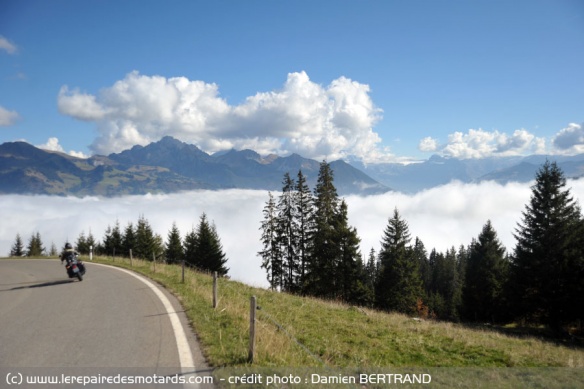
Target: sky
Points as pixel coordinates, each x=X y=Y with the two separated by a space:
x=382 y=81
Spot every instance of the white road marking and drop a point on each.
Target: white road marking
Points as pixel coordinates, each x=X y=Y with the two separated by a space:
x=184 y=350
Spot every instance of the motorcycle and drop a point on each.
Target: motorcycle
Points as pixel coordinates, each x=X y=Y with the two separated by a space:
x=75 y=268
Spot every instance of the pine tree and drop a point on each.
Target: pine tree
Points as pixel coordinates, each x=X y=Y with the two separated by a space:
x=421 y=257
x=399 y=285
x=486 y=277
x=147 y=245
x=90 y=242
x=128 y=241
x=173 y=251
x=271 y=253
x=35 y=246
x=321 y=278
x=547 y=267
x=209 y=255
x=372 y=270
x=113 y=240
x=81 y=244
x=350 y=276
x=190 y=247
x=303 y=210
x=288 y=236
x=18 y=247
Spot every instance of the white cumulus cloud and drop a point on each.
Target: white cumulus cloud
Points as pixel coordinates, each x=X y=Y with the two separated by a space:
x=305 y=117
x=481 y=144
x=428 y=144
x=53 y=145
x=570 y=140
x=7 y=118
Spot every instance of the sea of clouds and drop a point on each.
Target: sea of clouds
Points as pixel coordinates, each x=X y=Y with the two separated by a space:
x=442 y=217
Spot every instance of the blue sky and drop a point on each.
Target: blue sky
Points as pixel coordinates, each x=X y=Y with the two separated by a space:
x=382 y=80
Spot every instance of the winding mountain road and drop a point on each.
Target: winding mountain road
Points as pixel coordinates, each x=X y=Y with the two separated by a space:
x=113 y=323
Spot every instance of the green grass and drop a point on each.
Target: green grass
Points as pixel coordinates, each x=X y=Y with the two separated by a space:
x=336 y=334
x=340 y=338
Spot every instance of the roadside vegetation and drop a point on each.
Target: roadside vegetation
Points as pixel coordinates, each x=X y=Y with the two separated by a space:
x=336 y=334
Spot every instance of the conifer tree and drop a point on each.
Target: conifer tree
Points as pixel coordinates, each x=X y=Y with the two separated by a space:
x=81 y=245
x=303 y=210
x=324 y=251
x=399 y=285
x=35 y=246
x=91 y=245
x=350 y=276
x=486 y=277
x=451 y=285
x=209 y=255
x=547 y=266
x=113 y=240
x=18 y=247
x=173 y=251
x=190 y=247
x=288 y=235
x=128 y=241
x=146 y=244
x=421 y=257
x=271 y=253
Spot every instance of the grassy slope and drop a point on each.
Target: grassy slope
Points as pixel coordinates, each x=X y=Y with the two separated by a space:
x=336 y=334
x=338 y=338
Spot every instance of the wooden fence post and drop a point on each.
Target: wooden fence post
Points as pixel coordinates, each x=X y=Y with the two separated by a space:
x=214 y=290
x=252 y=315
x=183 y=271
x=131 y=259
x=154 y=261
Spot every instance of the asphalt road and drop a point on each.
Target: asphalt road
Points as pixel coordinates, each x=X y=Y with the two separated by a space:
x=110 y=324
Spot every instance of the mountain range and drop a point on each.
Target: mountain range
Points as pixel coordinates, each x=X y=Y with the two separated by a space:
x=162 y=167
x=438 y=170
x=170 y=165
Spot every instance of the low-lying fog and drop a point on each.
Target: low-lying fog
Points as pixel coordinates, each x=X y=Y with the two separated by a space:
x=441 y=217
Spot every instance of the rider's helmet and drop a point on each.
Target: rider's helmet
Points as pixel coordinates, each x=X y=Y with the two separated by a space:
x=68 y=246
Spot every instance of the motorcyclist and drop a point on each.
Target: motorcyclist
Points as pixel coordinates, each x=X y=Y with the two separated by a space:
x=67 y=252
x=70 y=252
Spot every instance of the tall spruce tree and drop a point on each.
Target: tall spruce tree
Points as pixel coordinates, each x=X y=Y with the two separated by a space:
x=190 y=247
x=209 y=255
x=146 y=244
x=547 y=267
x=128 y=241
x=372 y=271
x=421 y=257
x=350 y=272
x=17 y=249
x=173 y=251
x=399 y=285
x=113 y=240
x=487 y=271
x=303 y=209
x=288 y=236
x=81 y=245
x=35 y=246
x=91 y=244
x=321 y=278
x=271 y=252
